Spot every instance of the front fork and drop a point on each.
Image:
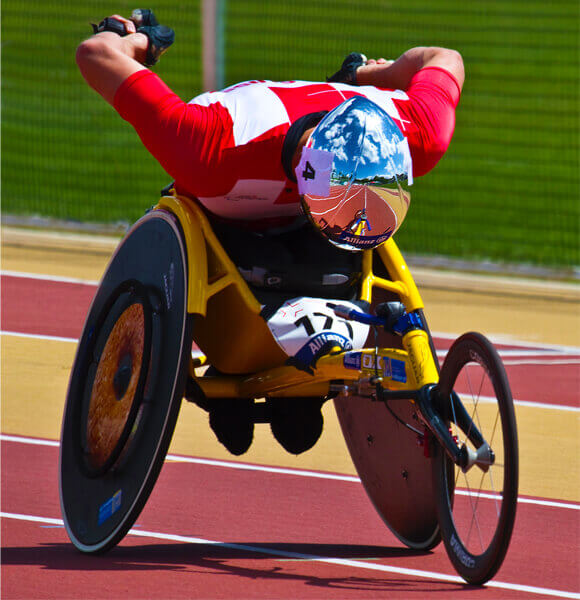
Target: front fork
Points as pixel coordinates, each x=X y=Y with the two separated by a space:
x=432 y=408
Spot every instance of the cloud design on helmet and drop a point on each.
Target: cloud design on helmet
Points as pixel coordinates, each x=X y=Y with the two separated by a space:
x=365 y=141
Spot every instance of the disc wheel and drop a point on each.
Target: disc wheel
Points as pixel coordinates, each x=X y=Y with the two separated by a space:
x=126 y=385
x=477 y=506
x=392 y=467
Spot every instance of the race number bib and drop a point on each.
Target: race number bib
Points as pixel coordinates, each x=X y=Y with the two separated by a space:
x=307 y=328
x=313 y=172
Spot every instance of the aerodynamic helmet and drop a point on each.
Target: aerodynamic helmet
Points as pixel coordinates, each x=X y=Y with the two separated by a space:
x=353 y=175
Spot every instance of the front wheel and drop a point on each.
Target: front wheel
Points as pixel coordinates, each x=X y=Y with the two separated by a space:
x=477 y=505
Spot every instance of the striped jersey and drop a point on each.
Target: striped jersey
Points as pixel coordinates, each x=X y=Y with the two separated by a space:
x=224 y=147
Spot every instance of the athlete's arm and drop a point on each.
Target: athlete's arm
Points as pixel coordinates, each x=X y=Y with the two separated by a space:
x=398 y=74
x=107 y=59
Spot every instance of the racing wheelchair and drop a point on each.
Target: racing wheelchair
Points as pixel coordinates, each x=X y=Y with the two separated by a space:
x=435 y=448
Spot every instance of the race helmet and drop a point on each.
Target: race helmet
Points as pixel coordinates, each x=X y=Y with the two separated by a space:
x=353 y=175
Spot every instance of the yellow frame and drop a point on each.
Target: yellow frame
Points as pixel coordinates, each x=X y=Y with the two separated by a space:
x=235 y=338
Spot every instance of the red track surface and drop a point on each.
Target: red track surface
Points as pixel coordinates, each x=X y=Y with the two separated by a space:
x=273 y=512
x=55 y=308
x=252 y=533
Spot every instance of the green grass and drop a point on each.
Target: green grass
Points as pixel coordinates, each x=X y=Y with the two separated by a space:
x=507 y=190
x=65 y=152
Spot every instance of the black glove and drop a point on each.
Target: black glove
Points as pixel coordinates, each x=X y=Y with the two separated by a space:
x=160 y=36
x=110 y=24
x=347 y=72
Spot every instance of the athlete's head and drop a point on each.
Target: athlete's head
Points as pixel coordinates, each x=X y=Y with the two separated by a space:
x=296 y=136
x=355 y=161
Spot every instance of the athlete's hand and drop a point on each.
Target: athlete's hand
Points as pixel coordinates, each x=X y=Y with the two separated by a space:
x=142 y=21
x=371 y=66
x=160 y=36
x=348 y=69
x=379 y=61
x=117 y=24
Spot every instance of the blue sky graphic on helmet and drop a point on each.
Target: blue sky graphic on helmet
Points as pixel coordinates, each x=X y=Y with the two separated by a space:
x=366 y=143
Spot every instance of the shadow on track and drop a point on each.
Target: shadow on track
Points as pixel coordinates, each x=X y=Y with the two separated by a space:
x=224 y=559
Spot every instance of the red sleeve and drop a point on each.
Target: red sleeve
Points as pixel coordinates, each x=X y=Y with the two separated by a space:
x=179 y=135
x=433 y=96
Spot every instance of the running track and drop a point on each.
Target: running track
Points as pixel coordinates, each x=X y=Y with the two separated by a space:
x=228 y=530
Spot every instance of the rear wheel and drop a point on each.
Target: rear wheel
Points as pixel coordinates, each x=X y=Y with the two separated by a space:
x=477 y=506
x=126 y=385
x=392 y=467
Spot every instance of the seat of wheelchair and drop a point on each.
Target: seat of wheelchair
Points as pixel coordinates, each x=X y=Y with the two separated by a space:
x=295 y=262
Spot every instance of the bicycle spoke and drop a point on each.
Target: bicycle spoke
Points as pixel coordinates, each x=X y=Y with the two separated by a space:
x=473 y=517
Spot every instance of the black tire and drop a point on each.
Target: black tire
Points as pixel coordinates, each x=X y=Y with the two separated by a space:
x=126 y=385
x=477 y=508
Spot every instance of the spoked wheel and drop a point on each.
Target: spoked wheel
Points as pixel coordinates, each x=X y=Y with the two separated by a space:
x=477 y=506
x=126 y=385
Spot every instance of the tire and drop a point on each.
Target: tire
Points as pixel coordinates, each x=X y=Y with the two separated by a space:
x=126 y=385
x=477 y=508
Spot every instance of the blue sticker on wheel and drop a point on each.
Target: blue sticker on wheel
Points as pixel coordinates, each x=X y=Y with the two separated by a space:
x=110 y=507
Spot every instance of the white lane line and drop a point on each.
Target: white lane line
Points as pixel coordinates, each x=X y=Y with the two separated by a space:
x=277 y=470
x=542 y=362
x=547 y=356
x=530 y=356
x=548 y=360
x=357 y=564
x=508 y=340
x=31 y=441
x=266 y=469
x=37 y=336
x=54 y=278
x=497 y=338
x=530 y=404
x=525 y=403
x=524 y=359
x=517 y=402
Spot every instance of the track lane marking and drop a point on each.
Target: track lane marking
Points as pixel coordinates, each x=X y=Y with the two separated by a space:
x=525 y=357
x=497 y=338
x=508 y=340
x=280 y=470
x=528 y=403
x=38 y=336
x=548 y=356
x=358 y=564
x=51 y=278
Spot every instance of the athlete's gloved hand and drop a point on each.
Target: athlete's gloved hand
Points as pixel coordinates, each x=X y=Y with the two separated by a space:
x=110 y=24
x=160 y=37
x=347 y=72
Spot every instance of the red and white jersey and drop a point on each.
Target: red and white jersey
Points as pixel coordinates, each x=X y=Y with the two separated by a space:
x=261 y=113
x=225 y=147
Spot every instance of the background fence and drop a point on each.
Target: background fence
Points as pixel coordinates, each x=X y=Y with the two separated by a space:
x=507 y=190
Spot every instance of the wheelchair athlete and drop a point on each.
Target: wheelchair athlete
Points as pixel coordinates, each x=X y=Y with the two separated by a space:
x=268 y=160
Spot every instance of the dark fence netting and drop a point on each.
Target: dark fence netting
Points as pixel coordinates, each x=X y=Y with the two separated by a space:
x=507 y=190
